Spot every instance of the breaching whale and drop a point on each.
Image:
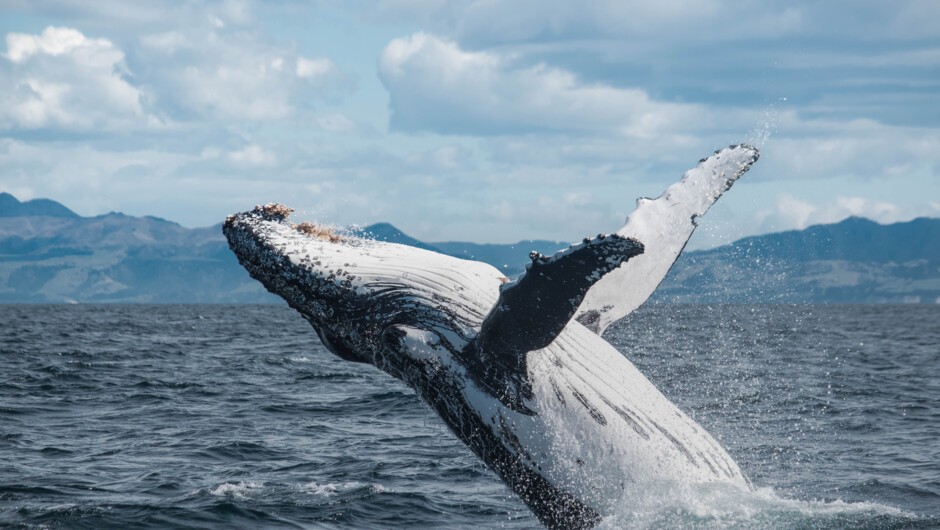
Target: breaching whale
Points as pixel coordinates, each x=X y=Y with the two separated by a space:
x=518 y=370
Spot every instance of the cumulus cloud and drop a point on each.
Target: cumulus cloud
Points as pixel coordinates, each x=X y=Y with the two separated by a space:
x=435 y=85
x=854 y=149
x=53 y=41
x=62 y=79
x=215 y=72
x=202 y=73
x=707 y=51
x=792 y=213
x=198 y=72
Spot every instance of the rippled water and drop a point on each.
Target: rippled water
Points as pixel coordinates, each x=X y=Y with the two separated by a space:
x=235 y=416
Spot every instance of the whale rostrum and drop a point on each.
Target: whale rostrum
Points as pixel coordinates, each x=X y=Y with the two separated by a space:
x=518 y=370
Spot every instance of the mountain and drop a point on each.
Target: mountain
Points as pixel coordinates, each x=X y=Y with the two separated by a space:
x=853 y=261
x=854 y=239
x=10 y=206
x=510 y=259
x=50 y=254
x=387 y=232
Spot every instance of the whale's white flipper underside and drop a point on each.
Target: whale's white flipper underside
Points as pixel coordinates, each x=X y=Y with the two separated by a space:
x=664 y=225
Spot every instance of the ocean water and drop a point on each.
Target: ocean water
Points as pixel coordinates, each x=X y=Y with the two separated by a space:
x=235 y=417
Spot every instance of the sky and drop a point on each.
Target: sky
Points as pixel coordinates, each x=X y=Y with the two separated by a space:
x=473 y=120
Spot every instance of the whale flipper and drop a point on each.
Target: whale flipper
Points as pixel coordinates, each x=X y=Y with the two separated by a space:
x=532 y=310
x=664 y=225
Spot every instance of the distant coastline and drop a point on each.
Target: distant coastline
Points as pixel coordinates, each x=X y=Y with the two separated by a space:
x=49 y=254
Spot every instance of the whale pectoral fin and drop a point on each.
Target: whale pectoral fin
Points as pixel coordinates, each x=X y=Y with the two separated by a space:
x=664 y=225
x=532 y=311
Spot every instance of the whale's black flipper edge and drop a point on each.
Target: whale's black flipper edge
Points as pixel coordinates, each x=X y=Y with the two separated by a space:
x=532 y=310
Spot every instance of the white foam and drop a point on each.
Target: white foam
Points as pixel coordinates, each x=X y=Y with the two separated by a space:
x=324 y=490
x=299 y=359
x=718 y=506
x=235 y=490
x=332 y=488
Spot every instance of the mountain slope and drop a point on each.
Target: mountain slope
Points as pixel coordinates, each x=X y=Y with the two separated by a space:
x=510 y=259
x=853 y=261
x=47 y=255
x=387 y=232
x=10 y=206
x=854 y=239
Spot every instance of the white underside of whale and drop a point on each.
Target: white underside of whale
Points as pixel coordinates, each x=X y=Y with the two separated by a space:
x=647 y=443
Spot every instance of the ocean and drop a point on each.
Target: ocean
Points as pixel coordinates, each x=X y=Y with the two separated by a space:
x=230 y=416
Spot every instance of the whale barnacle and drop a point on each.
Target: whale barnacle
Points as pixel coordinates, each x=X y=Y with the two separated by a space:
x=321 y=232
x=273 y=211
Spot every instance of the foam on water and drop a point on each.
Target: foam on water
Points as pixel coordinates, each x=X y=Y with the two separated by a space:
x=710 y=506
x=234 y=489
x=331 y=489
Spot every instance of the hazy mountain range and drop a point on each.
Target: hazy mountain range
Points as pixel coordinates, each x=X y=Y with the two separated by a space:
x=50 y=254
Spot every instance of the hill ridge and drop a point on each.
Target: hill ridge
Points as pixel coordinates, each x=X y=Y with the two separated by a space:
x=48 y=253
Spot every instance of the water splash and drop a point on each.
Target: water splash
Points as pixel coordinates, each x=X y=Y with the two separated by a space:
x=710 y=506
x=767 y=124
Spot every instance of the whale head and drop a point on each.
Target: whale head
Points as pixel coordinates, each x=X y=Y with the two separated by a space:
x=356 y=292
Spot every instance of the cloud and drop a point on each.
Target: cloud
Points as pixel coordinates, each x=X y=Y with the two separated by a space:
x=252 y=155
x=217 y=72
x=792 y=213
x=168 y=42
x=682 y=20
x=854 y=149
x=62 y=79
x=336 y=122
x=207 y=73
x=52 y=41
x=668 y=22
x=196 y=73
x=314 y=68
x=503 y=21
x=711 y=52
x=434 y=85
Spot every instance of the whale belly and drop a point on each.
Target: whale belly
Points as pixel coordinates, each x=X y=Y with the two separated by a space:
x=603 y=431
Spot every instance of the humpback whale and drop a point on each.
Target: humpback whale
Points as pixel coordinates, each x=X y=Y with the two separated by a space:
x=518 y=370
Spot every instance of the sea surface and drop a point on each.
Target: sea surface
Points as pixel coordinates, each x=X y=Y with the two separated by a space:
x=121 y=416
